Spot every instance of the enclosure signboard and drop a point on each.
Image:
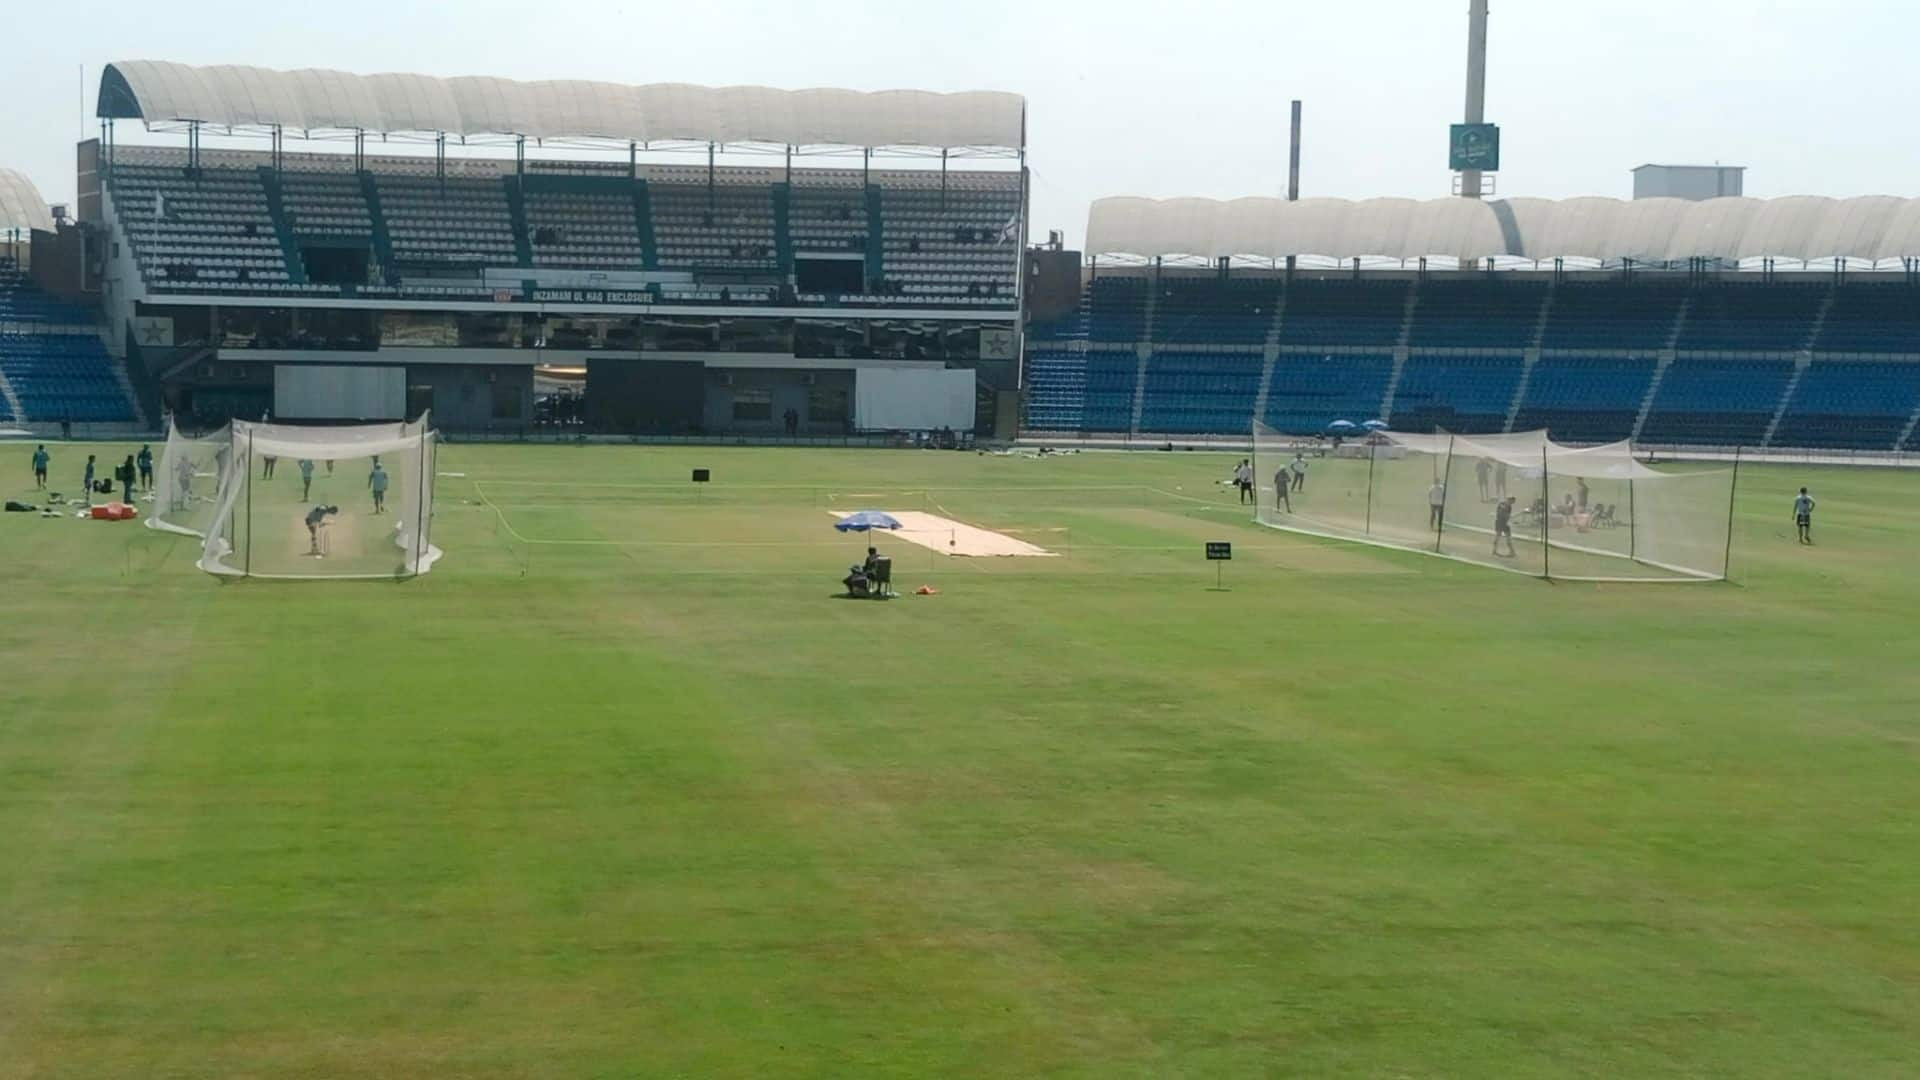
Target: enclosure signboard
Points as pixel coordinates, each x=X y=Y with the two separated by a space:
x=1475 y=147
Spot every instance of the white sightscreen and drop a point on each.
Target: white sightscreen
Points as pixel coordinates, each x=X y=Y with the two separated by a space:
x=1590 y=513
x=912 y=399
x=186 y=481
x=324 y=502
x=339 y=392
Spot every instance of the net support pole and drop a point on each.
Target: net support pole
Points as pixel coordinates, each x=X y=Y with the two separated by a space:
x=247 y=478
x=1733 y=487
x=1633 y=535
x=1367 y=529
x=1546 y=519
x=1446 y=485
x=420 y=508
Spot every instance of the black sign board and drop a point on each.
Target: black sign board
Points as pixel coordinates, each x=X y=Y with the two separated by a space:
x=701 y=476
x=1219 y=551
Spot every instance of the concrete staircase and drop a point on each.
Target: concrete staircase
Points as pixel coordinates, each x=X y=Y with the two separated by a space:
x=283 y=225
x=1800 y=367
x=1653 y=388
x=643 y=221
x=1530 y=359
x=12 y=399
x=1141 y=350
x=1907 y=432
x=1393 y=383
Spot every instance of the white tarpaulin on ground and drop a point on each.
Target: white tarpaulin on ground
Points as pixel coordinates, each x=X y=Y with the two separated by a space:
x=950 y=537
x=912 y=399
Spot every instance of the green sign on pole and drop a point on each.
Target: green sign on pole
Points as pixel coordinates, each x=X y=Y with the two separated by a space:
x=1475 y=146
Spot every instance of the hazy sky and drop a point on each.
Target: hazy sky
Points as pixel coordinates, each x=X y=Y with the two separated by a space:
x=1128 y=97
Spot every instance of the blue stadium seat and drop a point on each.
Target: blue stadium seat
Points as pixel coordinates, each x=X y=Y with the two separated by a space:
x=1751 y=317
x=1491 y=313
x=1111 y=378
x=1462 y=394
x=1200 y=393
x=1855 y=405
x=1309 y=392
x=1117 y=309
x=1342 y=312
x=1872 y=318
x=1727 y=401
x=1056 y=398
x=58 y=368
x=1585 y=399
x=1603 y=315
x=1215 y=311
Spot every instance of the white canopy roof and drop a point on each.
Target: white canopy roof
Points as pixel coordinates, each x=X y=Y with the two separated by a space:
x=1872 y=227
x=158 y=92
x=21 y=206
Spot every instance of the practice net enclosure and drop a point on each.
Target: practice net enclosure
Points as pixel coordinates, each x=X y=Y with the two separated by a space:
x=323 y=502
x=1517 y=502
x=186 y=484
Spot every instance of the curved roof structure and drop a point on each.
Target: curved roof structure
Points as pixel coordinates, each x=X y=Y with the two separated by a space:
x=21 y=206
x=1805 y=227
x=309 y=100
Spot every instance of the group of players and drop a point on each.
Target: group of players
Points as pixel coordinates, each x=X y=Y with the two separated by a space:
x=1492 y=476
x=321 y=515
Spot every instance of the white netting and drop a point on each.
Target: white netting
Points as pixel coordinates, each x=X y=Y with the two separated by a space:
x=323 y=502
x=186 y=482
x=1518 y=502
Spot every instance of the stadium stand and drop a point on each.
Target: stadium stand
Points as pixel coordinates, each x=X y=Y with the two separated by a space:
x=583 y=223
x=211 y=230
x=1844 y=403
x=1336 y=312
x=1581 y=358
x=447 y=222
x=236 y=225
x=1111 y=382
x=1462 y=394
x=1195 y=393
x=53 y=361
x=1597 y=315
x=1872 y=318
x=1725 y=401
x=1117 y=309
x=1309 y=392
x=1751 y=318
x=1226 y=311
x=1496 y=313
x=1585 y=399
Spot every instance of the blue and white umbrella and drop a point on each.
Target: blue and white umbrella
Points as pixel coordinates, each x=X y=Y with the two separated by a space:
x=866 y=521
x=1375 y=425
x=1341 y=425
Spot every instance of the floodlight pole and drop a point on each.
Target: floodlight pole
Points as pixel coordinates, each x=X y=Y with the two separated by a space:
x=1476 y=84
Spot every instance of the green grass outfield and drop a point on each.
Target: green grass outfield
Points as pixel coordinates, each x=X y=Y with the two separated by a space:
x=620 y=789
